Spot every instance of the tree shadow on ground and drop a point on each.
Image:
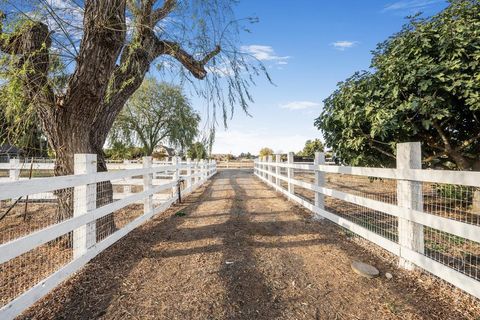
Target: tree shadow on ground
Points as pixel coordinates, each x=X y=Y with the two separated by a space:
x=97 y=290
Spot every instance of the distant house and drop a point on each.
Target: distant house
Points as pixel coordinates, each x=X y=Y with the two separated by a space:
x=162 y=152
x=8 y=152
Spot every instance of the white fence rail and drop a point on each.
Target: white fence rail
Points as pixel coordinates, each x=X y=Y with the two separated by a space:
x=428 y=218
x=38 y=252
x=235 y=164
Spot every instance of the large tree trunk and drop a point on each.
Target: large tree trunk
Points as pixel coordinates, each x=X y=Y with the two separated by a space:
x=78 y=119
x=69 y=137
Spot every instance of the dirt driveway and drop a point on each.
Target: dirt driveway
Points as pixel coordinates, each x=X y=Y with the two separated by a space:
x=235 y=250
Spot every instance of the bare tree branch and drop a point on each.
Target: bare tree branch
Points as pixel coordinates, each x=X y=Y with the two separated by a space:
x=196 y=67
x=164 y=11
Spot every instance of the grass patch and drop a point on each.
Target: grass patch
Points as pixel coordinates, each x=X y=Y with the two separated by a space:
x=180 y=214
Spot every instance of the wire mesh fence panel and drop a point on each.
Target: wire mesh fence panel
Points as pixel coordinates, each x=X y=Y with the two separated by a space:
x=116 y=220
x=456 y=202
x=23 y=220
x=29 y=213
x=384 y=190
x=381 y=223
x=437 y=220
x=459 y=203
x=23 y=272
x=458 y=253
x=304 y=175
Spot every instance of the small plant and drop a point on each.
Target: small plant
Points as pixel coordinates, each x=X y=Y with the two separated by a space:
x=349 y=234
x=392 y=307
x=435 y=246
x=453 y=193
x=180 y=214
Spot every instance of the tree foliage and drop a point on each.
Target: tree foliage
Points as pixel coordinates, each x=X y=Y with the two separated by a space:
x=197 y=151
x=107 y=48
x=425 y=86
x=311 y=146
x=244 y=155
x=157 y=113
x=120 y=151
x=264 y=152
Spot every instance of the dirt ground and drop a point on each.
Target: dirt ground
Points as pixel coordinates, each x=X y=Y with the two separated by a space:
x=236 y=250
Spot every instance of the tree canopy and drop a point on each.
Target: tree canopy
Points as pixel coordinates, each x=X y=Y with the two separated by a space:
x=425 y=86
x=264 y=152
x=107 y=48
x=311 y=146
x=197 y=151
x=244 y=155
x=157 y=113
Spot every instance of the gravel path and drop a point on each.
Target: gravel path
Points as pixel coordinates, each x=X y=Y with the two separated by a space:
x=239 y=251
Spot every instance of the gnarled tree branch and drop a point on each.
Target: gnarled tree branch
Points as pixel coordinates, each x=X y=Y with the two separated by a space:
x=196 y=67
x=164 y=11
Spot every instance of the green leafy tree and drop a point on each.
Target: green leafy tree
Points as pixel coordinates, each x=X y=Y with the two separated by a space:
x=121 y=151
x=197 y=151
x=157 y=113
x=311 y=146
x=244 y=155
x=264 y=152
x=19 y=124
x=424 y=87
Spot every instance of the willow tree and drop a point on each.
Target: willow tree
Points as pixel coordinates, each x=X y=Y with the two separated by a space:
x=156 y=113
x=107 y=48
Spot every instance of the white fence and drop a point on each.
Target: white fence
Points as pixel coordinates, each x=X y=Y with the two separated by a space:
x=235 y=164
x=428 y=218
x=44 y=168
x=40 y=251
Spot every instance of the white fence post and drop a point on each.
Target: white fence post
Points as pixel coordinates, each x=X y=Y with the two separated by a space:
x=175 y=175
x=202 y=170
x=206 y=170
x=84 y=201
x=197 y=171
x=278 y=158
x=319 y=181
x=189 y=173
x=270 y=168
x=264 y=167
x=147 y=185
x=14 y=171
x=260 y=166
x=409 y=195
x=290 y=173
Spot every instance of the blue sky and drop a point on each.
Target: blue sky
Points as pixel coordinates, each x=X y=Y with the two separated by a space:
x=308 y=46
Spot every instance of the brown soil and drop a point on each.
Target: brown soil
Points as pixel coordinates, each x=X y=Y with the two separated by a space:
x=236 y=250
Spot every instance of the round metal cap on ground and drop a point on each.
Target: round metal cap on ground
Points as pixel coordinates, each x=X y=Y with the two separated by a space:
x=365 y=270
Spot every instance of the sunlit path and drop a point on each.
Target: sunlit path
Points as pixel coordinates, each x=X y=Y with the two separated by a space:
x=236 y=250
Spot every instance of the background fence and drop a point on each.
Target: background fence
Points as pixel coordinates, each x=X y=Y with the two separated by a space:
x=52 y=226
x=235 y=164
x=428 y=218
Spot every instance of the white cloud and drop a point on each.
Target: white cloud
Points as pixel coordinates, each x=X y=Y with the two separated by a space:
x=344 y=45
x=264 y=53
x=411 y=5
x=300 y=105
x=221 y=71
